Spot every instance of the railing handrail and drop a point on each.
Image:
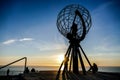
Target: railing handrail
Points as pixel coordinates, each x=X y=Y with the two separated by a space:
x=15 y=62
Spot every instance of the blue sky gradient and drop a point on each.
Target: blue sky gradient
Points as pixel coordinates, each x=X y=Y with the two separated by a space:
x=28 y=28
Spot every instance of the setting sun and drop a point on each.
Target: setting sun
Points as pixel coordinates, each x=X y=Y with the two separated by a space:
x=60 y=58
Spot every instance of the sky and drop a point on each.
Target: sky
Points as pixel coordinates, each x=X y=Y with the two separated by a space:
x=28 y=29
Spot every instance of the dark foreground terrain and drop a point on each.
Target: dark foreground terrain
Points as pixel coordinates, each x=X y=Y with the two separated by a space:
x=51 y=75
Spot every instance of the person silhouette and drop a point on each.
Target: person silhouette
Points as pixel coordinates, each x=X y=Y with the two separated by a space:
x=8 y=76
x=8 y=71
x=32 y=70
x=26 y=70
x=94 y=68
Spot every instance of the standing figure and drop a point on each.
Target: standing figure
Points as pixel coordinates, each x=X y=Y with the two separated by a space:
x=8 y=71
x=26 y=70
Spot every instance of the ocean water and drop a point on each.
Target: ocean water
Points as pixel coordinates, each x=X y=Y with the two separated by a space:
x=15 y=70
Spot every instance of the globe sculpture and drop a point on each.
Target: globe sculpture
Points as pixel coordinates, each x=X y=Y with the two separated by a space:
x=74 y=14
x=74 y=22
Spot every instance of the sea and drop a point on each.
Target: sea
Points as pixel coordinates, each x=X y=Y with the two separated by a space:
x=15 y=70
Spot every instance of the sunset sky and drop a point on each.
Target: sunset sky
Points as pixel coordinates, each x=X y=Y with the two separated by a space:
x=28 y=29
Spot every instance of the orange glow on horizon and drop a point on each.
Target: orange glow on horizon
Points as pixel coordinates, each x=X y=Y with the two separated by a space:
x=56 y=60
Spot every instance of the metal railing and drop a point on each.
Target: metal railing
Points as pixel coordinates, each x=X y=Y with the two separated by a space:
x=15 y=62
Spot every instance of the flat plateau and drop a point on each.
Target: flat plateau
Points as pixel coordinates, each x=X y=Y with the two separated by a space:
x=51 y=75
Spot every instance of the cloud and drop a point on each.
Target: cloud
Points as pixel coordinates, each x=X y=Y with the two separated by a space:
x=9 y=41
x=26 y=39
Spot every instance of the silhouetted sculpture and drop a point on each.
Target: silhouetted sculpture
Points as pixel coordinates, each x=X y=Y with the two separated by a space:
x=74 y=22
x=66 y=59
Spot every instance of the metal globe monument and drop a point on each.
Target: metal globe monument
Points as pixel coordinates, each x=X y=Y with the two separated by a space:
x=73 y=14
x=74 y=22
